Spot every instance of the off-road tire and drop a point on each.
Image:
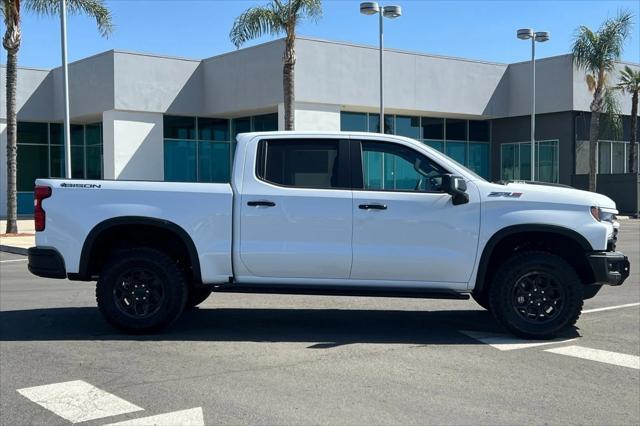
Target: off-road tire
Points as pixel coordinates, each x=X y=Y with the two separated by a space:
x=168 y=277
x=504 y=306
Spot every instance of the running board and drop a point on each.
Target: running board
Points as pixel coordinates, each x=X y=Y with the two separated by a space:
x=341 y=291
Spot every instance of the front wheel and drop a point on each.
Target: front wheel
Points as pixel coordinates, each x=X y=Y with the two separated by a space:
x=535 y=295
x=141 y=290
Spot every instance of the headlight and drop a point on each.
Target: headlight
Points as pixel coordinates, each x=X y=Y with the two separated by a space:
x=603 y=215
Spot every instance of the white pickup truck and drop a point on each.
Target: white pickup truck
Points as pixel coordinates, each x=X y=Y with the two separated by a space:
x=331 y=214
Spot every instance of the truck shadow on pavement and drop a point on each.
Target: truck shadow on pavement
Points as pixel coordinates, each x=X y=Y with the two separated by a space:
x=328 y=327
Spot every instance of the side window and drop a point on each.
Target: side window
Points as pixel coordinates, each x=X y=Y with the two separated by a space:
x=301 y=163
x=393 y=167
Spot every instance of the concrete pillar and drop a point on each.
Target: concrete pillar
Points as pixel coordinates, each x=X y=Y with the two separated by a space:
x=313 y=117
x=317 y=117
x=133 y=145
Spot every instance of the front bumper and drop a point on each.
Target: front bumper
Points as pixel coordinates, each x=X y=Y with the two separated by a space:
x=46 y=262
x=609 y=267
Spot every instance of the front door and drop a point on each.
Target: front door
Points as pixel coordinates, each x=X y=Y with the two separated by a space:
x=405 y=228
x=296 y=212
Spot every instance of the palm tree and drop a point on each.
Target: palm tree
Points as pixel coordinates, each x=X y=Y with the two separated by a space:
x=630 y=83
x=11 y=42
x=596 y=53
x=278 y=17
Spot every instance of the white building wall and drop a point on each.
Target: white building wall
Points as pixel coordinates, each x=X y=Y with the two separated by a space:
x=313 y=117
x=133 y=145
x=318 y=117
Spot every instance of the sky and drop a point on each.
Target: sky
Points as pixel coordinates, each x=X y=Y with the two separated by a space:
x=475 y=29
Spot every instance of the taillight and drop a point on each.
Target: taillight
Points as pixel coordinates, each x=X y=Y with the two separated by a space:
x=39 y=215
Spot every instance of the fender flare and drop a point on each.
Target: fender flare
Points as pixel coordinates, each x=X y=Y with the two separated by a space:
x=500 y=235
x=96 y=231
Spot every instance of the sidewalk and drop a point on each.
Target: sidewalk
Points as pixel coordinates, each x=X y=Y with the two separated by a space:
x=20 y=243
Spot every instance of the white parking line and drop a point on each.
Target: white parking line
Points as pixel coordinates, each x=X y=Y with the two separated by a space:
x=78 y=401
x=608 y=308
x=13 y=260
x=505 y=342
x=191 y=417
x=607 y=357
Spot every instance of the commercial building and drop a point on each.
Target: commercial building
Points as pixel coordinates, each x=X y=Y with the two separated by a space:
x=139 y=116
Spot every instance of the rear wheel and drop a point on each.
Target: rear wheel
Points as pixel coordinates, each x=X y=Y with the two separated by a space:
x=141 y=290
x=536 y=295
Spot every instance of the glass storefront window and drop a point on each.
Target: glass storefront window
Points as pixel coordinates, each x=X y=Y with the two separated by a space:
x=32 y=164
x=241 y=125
x=439 y=145
x=456 y=130
x=433 y=128
x=213 y=129
x=479 y=158
x=353 y=122
x=547 y=153
x=213 y=162
x=408 y=126
x=473 y=152
x=374 y=124
x=265 y=123
x=176 y=127
x=180 y=161
x=604 y=157
x=207 y=156
x=618 y=158
x=515 y=162
x=457 y=151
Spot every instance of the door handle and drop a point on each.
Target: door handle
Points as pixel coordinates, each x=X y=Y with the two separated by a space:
x=372 y=206
x=261 y=204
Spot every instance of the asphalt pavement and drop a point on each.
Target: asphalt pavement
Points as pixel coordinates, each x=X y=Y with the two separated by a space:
x=278 y=359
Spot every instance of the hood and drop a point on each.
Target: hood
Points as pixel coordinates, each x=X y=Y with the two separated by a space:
x=553 y=193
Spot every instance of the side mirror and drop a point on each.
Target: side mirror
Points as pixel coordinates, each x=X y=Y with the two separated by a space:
x=456 y=187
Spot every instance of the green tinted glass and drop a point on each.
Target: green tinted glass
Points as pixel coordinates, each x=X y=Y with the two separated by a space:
x=353 y=121
x=213 y=129
x=77 y=135
x=265 y=123
x=93 y=134
x=408 y=126
x=33 y=163
x=180 y=161
x=56 y=134
x=176 y=127
x=241 y=125
x=479 y=158
x=94 y=162
x=457 y=151
x=57 y=161
x=213 y=162
x=32 y=133
x=439 y=145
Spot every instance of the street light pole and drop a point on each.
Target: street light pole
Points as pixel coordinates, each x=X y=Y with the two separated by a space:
x=539 y=36
x=381 y=71
x=65 y=83
x=392 y=12
x=533 y=109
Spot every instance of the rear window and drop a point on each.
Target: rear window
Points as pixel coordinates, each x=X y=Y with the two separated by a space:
x=300 y=163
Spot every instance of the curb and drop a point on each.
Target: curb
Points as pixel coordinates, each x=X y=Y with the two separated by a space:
x=15 y=250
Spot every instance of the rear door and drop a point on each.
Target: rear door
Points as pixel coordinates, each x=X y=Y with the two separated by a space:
x=405 y=228
x=296 y=211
